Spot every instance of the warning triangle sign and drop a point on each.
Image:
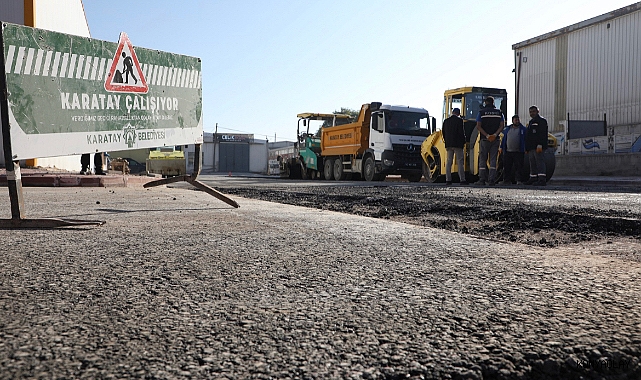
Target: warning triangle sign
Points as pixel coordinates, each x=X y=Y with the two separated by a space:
x=125 y=74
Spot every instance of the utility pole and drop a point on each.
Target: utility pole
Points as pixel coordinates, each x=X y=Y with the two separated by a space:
x=215 y=142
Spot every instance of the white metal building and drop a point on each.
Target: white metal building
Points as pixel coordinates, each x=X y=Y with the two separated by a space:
x=64 y=16
x=589 y=70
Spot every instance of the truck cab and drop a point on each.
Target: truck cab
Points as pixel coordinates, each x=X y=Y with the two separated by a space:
x=383 y=140
x=395 y=138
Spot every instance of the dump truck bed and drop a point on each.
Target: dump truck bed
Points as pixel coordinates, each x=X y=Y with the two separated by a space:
x=347 y=139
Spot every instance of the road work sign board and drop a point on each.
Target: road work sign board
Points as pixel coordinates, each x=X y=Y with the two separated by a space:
x=72 y=95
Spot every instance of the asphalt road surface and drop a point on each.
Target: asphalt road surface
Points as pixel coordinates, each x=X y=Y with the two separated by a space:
x=549 y=217
x=177 y=284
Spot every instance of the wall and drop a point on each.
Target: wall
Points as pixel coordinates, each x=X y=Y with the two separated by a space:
x=587 y=73
x=623 y=164
x=537 y=81
x=604 y=74
x=258 y=162
x=12 y=11
x=70 y=21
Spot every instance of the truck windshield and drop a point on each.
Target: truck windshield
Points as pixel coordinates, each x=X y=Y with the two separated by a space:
x=474 y=102
x=408 y=123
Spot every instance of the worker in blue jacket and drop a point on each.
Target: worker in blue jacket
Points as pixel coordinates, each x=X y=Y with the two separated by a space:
x=513 y=151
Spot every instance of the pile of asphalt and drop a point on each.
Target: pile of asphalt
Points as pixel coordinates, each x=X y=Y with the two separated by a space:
x=177 y=285
x=497 y=214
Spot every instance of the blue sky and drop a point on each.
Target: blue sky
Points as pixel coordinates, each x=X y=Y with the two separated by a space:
x=266 y=61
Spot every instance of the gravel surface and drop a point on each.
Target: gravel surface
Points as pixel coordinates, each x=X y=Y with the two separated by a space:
x=178 y=285
x=545 y=218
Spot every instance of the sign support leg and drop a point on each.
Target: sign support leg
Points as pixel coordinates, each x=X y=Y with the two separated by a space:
x=14 y=183
x=192 y=179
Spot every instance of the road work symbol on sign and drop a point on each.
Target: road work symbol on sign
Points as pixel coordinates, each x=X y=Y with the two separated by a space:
x=125 y=74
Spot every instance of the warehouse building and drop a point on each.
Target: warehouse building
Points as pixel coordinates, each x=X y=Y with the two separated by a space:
x=586 y=80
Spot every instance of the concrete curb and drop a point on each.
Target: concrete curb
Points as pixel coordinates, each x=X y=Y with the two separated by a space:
x=596 y=181
x=58 y=180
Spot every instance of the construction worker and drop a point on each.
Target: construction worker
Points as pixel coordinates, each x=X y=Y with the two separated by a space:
x=128 y=65
x=536 y=141
x=454 y=136
x=513 y=151
x=490 y=123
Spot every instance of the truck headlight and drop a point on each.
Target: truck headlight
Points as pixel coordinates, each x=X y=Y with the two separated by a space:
x=387 y=162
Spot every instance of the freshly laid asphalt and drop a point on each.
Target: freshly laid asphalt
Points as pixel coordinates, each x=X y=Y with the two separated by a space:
x=178 y=285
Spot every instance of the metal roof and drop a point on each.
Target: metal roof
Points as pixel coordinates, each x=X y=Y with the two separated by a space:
x=580 y=25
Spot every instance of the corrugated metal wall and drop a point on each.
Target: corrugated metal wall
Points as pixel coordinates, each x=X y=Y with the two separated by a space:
x=537 y=79
x=71 y=21
x=12 y=11
x=602 y=74
x=604 y=71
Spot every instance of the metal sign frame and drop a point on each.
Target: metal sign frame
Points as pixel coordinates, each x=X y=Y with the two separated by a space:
x=14 y=180
x=23 y=136
x=71 y=95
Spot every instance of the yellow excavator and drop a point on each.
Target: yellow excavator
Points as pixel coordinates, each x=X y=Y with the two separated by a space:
x=469 y=100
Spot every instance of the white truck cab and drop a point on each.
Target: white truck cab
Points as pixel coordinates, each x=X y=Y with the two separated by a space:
x=395 y=138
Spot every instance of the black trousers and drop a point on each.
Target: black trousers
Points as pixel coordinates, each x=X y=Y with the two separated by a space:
x=512 y=165
x=85 y=161
x=97 y=163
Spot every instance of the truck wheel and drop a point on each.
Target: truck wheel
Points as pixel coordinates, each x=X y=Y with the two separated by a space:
x=303 y=171
x=339 y=174
x=294 y=171
x=328 y=169
x=369 y=169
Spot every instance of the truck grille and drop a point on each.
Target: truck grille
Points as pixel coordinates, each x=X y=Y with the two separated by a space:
x=407 y=155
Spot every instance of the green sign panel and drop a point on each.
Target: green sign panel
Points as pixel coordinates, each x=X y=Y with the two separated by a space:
x=72 y=95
